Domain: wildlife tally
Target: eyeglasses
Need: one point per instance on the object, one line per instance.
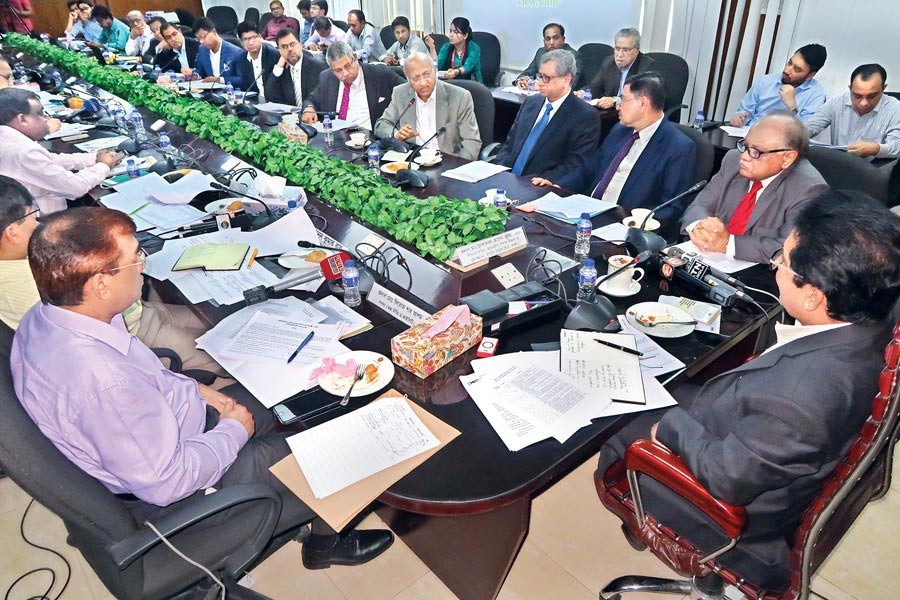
(756, 152)
(293, 44)
(34, 211)
(546, 78)
(427, 76)
(777, 262)
(6, 76)
(620, 100)
(249, 38)
(142, 259)
(619, 50)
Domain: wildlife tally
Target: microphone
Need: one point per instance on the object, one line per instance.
(640, 258)
(171, 62)
(259, 221)
(694, 188)
(330, 268)
(638, 239)
(676, 252)
(392, 143)
(418, 149)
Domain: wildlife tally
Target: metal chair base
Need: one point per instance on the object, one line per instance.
(705, 588)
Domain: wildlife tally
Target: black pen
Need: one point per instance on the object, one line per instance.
(305, 341)
(618, 347)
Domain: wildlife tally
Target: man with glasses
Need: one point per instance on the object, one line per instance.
(645, 159)
(296, 73)
(279, 21)
(139, 37)
(258, 61)
(217, 57)
(768, 434)
(554, 132)
(437, 104)
(747, 209)
(151, 437)
(627, 59)
(554, 39)
(356, 93)
(6, 74)
(181, 54)
(80, 21)
(50, 177)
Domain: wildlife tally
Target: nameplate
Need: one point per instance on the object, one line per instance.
(396, 306)
(502, 243)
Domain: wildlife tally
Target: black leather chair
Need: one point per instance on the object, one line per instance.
(251, 15)
(387, 36)
(233, 39)
(490, 57)
(844, 171)
(342, 24)
(706, 152)
(483, 103)
(224, 17)
(592, 56)
(439, 40)
(674, 71)
(264, 21)
(128, 558)
(894, 95)
(185, 17)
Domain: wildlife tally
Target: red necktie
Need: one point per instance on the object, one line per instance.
(345, 103)
(738, 223)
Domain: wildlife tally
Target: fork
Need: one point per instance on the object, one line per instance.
(360, 371)
(655, 323)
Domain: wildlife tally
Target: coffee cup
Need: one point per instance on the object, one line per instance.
(622, 283)
(358, 138)
(429, 155)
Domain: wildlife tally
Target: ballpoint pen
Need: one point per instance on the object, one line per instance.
(139, 208)
(618, 347)
(305, 341)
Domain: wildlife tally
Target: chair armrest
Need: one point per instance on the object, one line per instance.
(175, 364)
(672, 109)
(660, 463)
(489, 152)
(126, 551)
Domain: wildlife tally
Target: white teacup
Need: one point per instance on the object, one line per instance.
(429, 155)
(621, 284)
(358, 138)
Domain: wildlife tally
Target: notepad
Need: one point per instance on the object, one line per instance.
(212, 257)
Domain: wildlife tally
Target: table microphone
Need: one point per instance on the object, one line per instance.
(638, 239)
(392, 143)
(259, 221)
(418, 148)
(330, 268)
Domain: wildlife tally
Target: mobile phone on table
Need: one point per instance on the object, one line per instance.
(284, 414)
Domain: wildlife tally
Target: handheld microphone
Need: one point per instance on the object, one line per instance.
(330, 268)
(640, 258)
(418, 149)
(259, 221)
(392, 143)
(676, 252)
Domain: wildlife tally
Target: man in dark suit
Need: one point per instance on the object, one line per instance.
(181, 54)
(296, 73)
(356, 93)
(216, 58)
(626, 60)
(554, 132)
(257, 64)
(644, 161)
(767, 434)
(747, 209)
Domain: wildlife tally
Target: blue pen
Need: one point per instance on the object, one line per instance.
(305, 341)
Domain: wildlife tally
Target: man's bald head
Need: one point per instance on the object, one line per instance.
(779, 140)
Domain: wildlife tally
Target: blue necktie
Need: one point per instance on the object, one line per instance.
(531, 140)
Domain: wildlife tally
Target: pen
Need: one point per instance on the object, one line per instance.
(305, 341)
(139, 209)
(250, 265)
(618, 347)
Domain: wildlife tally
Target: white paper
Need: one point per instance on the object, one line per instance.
(201, 85)
(190, 287)
(281, 236)
(101, 143)
(614, 232)
(335, 312)
(276, 107)
(713, 327)
(69, 129)
(655, 360)
(738, 132)
(475, 171)
(396, 306)
(514, 89)
(717, 260)
(227, 287)
(569, 209)
(336, 125)
(613, 372)
(141, 162)
(268, 337)
(159, 264)
(184, 190)
(340, 452)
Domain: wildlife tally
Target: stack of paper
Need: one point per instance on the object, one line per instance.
(569, 209)
(338, 313)
(102, 143)
(738, 132)
(601, 367)
(212, 257)
(135, 198)
(514, 89)
(184, 190)
(475, 171)
(69, 129)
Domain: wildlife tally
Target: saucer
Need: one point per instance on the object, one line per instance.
(421, 161)
(350, 144)
(604, 289)
(652, 224)
(657, 311)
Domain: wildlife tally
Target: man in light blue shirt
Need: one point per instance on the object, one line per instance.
(80, 21)
(863, 118)
(794, 89)
(115, 33)
(362, 37)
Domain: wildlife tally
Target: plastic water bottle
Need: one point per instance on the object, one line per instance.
(350, 279)
(500, 199)
(364, 56)
(57, 78)
(156, 72)
(374, 157)
(587, 95)
(583, 238)
(229, 94)
(165, 144)
(121, 119)
(328, 134)
(137, 123)
(133, 171)
(699, 120)
(587, 279)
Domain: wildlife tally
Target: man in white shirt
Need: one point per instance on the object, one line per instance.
(407, 43)
(140, 35)
(362, 37)
(50, 177)
(216, 59)
(325, 34)
(296, 73)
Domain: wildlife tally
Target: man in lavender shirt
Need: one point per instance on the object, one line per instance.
(152, 437)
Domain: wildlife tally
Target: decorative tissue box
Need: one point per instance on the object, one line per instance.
(429, 345)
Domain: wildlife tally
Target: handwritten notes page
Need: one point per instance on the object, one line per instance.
(599, 367)
(350, 448)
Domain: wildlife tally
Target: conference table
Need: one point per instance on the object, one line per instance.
(465, 512)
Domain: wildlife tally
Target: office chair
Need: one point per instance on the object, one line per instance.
(264, 21)
(251, 15)
(224, 17)
(706, 152)
(342, 24)
(233, 39)
(843, 171)
(674, 71)
(592, 56)
(185, 17)
(387, 36)
(490, 57)
(483, 103)
(129, 559)
(863, 475)
(439, 40)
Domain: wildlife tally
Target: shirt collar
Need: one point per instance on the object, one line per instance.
(358, 82)
(556, 104)
(647, 132)
(113, 334)
(427, 103)
(789, 333)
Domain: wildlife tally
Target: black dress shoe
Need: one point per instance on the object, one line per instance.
(350, 548)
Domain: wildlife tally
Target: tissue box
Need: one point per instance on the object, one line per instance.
(423, 356)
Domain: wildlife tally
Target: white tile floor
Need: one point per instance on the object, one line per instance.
(573, 548)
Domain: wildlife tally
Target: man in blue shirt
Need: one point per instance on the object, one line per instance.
(305, 8)
(80, 21)
(115, 33)
(795, 89)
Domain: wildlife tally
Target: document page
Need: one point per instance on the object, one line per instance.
(599, 367)
(272, 338)
(475, 171)
(350, 448)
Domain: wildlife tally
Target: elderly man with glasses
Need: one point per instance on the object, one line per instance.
(421, 107)
(747, 209)
(51, 178)
(627, 60)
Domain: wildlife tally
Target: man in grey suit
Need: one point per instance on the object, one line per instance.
(769, 433)
(437, 104)
(747, 209)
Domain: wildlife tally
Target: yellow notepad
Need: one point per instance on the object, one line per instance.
(212, 257)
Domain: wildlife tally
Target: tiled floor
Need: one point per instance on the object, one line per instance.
(573, 548)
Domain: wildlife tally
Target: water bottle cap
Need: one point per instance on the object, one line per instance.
(588, 262)
(501, 191)
(130, 161)
(292, 204)
(349, 264)
(586, 216)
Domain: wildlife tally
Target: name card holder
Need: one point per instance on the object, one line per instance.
(478, 254)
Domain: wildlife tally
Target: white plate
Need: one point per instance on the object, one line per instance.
(388, 169)
(338, 385)
(635, 288)
(296, 259)
(219, 206)
(421, 161)
(662, 312)
(350, 144)
(652, 224)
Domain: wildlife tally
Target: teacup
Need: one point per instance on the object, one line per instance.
(358, 138)
(621, 284)
(429, 155)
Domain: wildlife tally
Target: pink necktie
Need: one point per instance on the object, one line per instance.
(345, 103)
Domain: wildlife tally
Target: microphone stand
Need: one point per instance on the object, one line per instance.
(259, 221)
(640, 258)
(418, 148)
(391, 143)
(638, 239)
